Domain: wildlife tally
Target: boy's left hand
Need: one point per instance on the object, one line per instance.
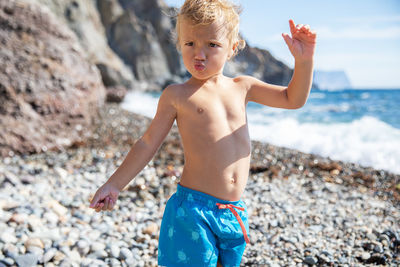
(302, 43)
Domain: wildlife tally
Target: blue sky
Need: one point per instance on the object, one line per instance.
(361, 37)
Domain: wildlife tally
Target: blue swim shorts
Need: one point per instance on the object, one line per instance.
(199, 230)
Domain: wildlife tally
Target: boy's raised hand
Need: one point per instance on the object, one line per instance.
(105, 198)
(302, 43)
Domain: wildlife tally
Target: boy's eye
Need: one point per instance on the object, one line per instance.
(213, 45)
(189, 43)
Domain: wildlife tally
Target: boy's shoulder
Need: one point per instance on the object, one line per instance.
(172, 93)
(244, 81)
(173, 90)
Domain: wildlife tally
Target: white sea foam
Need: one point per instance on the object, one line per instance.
(317, 95)
(141, 103)
(367, 141)
(365, 95)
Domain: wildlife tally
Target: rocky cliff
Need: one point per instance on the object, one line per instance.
(49, 93)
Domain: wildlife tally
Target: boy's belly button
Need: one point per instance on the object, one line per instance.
(233, 180)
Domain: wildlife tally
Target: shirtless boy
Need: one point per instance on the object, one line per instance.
(205, 221)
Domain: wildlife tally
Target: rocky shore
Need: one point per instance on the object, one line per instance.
(304, 209)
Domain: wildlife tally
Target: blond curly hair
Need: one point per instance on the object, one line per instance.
(205, 12)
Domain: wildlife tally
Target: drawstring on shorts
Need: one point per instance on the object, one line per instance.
(231, 208)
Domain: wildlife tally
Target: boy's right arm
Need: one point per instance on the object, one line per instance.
(141, 152)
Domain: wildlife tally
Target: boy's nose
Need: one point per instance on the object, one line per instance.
(199, 54)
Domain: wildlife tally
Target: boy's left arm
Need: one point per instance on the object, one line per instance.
(302, 46)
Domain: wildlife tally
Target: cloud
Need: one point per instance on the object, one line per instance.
(370, 19)
(359, 33)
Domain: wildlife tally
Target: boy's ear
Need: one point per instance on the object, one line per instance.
(232, 51)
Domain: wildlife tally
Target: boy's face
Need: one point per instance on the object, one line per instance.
(205, 48)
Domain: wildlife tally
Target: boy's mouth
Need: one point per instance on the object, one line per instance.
(199, 66)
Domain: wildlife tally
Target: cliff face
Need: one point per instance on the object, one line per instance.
(260, 64)
(49, 93)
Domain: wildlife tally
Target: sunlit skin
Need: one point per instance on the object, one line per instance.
(210, 111)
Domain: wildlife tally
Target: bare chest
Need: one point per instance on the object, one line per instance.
(213, 110)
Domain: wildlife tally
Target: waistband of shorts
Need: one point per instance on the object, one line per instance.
(194, 195)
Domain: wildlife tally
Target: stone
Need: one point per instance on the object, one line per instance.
(7, 238)
(35, 242)
(97, 246)
(27, 260)
(115, 94)
(365, 256)
(19, 218)
(310, 260)
(35, 250)
(58, 256)
(57, 207)
(151, 229)
(7, 261)
(114, 251)
(125, 254)
(10, 250)
(83, 247)
(49, 254)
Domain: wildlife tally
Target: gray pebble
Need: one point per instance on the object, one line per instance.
(365, 256)
(113, 262)
(8, 261)
(49, 254)
(27, 260)
(96, 246)
(99, 254)
(125, 254)
(310, 260)
(83, 247)
(115, 251)
(7, 237)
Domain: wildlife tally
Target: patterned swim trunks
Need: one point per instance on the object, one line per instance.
(198, 230)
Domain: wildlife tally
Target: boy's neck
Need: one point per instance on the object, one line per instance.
(211, 81)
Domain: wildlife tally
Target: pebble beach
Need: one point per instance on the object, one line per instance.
(304, 210)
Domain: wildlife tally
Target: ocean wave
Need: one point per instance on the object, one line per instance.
(367, 141)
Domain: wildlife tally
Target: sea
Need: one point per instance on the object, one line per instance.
(351, 125)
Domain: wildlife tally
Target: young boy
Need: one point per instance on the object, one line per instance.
(205, 221)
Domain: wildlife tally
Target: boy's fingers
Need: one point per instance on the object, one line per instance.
(112, 204)
(304, 29)
(287, 39)
(99, 207)
(96, 199)
(313, 33)
(93, 201)
(107, 203)
(292, 26)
